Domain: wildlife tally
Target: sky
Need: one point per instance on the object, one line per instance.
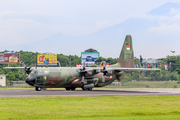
(31, 21)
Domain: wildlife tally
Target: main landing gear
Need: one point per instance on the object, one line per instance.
(37, 88)
(73, 88)
(87, 89)
(70, 88)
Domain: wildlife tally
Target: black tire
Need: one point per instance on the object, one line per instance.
(38, 89)
(68, 89)
(89, 89)
(73, 88)
(85, 89)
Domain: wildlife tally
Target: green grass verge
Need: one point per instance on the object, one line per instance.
(148, 84)
(91, 108)
(18, 88)
(138, 84)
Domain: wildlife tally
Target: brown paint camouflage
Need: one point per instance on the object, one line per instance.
(71, 77)
(54, 81)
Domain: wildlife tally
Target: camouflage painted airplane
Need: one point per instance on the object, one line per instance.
(85, 78)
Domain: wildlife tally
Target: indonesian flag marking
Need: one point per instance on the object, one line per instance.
(107, 64)
(166, 66)
(77, 65)
(128, 47)
(110, 77)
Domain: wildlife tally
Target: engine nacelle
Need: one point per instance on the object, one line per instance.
(77, 83)
(89, 86)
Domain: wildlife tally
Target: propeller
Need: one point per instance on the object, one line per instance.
(118, 75)
(104, 71)
(27, 69)
(83, 72)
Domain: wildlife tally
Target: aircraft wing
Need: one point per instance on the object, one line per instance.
(134, 69)
(13, 67)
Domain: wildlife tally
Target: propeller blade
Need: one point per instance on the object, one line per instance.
(103, 78)
(104, 65)
(104, 71)
(23, 64)
(83, 79)
(32, 65)
(84, 66)
(23, 74)
(118, 77)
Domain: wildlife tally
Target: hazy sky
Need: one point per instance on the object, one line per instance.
(25, 21)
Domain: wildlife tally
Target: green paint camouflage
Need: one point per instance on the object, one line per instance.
(67, 77)
(70, 77)
(126, 58)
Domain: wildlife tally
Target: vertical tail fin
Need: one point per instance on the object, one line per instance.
(126, 58)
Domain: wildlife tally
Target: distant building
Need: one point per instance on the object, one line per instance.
(150, 60)
(2, 80)
(90, 50)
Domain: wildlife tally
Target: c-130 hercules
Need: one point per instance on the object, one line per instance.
(85, 78)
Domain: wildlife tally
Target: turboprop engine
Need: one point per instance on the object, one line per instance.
(77, 83)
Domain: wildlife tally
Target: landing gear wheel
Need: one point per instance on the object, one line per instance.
(89, 89)
(73, 88)
(85, 89)
(68, 89)
(38, 89)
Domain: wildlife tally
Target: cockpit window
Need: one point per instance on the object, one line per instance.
(36, 73)
(31, 74)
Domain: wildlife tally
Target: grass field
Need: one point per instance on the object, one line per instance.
(91, 108)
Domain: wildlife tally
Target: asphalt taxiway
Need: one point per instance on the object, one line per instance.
(96, 92)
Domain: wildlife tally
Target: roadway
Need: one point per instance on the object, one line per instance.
(6, 93)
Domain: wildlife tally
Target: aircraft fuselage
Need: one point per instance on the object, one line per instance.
(66, 77)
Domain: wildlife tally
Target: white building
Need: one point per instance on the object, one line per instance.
(2, 80)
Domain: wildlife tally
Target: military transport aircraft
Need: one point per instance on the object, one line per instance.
(84, 77)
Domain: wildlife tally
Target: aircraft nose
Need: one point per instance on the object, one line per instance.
(30, 80)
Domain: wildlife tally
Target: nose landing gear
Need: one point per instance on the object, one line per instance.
(38, 89)
(70, 88)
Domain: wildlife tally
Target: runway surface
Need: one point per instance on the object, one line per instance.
(97, 92)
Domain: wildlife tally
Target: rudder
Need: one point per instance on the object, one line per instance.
(126, 58)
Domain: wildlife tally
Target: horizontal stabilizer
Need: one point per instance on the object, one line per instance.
(134, 69)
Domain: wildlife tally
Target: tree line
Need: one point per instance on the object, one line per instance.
(29, 58)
